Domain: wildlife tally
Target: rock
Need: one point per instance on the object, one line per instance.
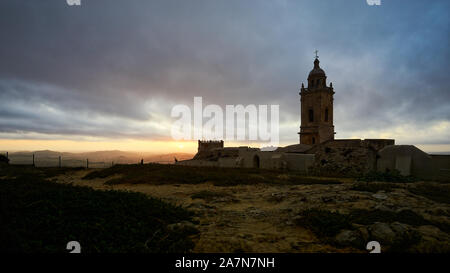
(277, 197)
(244, 236)
(433, 240)
(363, 231)
(349, 238)
(400, 229)
(183, 226)
(200, 206)
(383, 207)
(382, 233)
(196, 220)
(343, 197)
(256, 212)
(297, 219)
(433, 232)
(379, 195)
(327, 199)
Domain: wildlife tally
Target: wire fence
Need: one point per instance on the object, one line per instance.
(59, 161)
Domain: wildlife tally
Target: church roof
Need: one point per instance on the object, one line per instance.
(316, 71)
(295, 148)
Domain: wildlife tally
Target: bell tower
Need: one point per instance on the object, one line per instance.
(316, 108)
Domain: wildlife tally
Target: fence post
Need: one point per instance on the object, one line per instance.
(60, 161)
(33, 161)
(7, 157)
(87, 163)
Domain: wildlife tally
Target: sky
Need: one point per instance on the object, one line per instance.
(105, 75)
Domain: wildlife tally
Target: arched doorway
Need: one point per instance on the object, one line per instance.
(256, 161)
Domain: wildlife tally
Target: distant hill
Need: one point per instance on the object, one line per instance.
(440, 153)
(96, 159)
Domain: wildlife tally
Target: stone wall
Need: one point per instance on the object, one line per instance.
(346, 157)
(299, 162)
(410, 160)
(343, 157)
(228, 162)
(441, 165)
(198, 163)
(254, 158)
(216, 153)
(206, 145)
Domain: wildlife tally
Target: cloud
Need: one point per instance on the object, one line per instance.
(115, 68)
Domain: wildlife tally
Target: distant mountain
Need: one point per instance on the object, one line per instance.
(96, 159)
(440, 153)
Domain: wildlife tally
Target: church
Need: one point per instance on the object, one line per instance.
(318, 152)
(316, 108)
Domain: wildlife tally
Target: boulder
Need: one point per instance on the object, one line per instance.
(184, 227)
(380, 196)
(382, 233)
(400, 229)
(349, 238)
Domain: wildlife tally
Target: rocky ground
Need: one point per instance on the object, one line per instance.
(304, 218)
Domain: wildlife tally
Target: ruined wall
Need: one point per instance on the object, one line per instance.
(346, 157)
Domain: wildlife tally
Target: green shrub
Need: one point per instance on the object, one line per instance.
(368, 217)
(38, 216)
(373, 187)
(209, 195)
(176, 174)
(4, 159)
(440, 194)
(404, 242)
(390, 176)
(324, 223)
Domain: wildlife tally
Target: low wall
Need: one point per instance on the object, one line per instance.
(228, 162)
(441, 165)
(410, 160)
(249, 158)
(299, 162)
(200, 163)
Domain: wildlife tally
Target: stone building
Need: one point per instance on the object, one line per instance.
(316, 108)
(206, 148)
(318, 152)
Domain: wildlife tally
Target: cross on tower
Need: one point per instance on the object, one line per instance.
(317, 56)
